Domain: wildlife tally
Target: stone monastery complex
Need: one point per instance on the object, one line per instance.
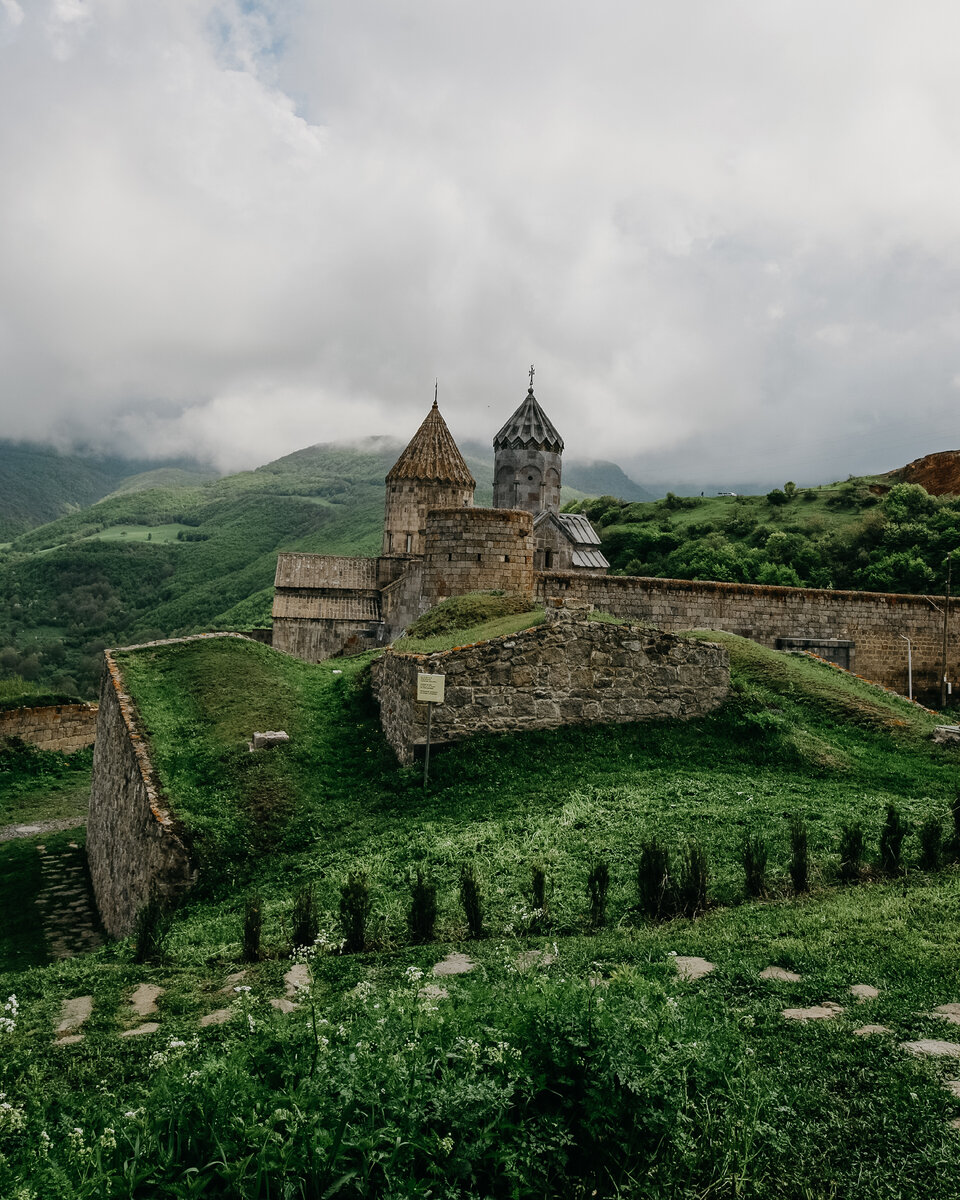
(436, 543)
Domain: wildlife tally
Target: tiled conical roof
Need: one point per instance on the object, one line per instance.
(529, 427)
(432, 455)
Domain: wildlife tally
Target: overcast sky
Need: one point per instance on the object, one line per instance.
(727, 234)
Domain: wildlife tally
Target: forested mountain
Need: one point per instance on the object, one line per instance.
(39, 484)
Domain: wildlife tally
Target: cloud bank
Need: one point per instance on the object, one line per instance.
(727, 235)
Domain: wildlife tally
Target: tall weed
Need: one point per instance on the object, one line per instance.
(598, 884)
(654, 882)
(892, 836)
(799, 857)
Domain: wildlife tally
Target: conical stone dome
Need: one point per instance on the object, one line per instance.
(529, 428)
(432, 456)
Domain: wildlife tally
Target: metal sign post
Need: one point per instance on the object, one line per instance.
(429, 692)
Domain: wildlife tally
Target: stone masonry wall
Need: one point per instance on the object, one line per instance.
(475, 550)
(566, 672)
(873, 621)
(135, 846)
(64, 727)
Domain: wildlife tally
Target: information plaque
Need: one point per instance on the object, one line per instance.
(430, 688)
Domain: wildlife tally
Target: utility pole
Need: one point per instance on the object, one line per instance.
(909, 665)
(946, 610)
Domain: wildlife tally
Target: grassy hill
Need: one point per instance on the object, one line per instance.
(573, 1060)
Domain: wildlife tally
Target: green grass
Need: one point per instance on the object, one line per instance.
(602, 1073)
(497, 627)
(41, 785)
(142, 533)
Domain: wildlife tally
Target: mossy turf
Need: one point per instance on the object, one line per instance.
(603, 1073)
(795, 738)
(42, 785)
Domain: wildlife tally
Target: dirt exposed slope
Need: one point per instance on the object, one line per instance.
(939, 473)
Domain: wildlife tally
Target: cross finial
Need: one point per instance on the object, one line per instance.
(436, 385)
(532, 373)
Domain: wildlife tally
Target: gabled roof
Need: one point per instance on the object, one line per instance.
(432, 455)
(577, 529)
(530, 428)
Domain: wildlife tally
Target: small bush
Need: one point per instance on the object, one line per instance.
(153, 925)
(355, 906)
(538, 897)
(654, 884)
(799, 857)
(598, 884)
(753, 855)
(955, 814)
(252, 927)
(422, 917)
(892, 836)
(931, 845)
(471, 900)
(852, 844)
(306, 925)
(692, 881)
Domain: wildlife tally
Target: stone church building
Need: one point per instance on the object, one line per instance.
(437, 543)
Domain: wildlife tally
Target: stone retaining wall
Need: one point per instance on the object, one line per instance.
(136, 848)
(565, 672)
(872, 621)
(64, 727)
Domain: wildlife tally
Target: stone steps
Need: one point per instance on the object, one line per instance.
(66, 907)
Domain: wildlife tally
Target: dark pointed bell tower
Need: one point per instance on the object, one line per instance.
(527, 452)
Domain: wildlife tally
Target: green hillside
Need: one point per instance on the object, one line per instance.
(860, 534)
(39, 484)
(169, 560)
(572, 1060)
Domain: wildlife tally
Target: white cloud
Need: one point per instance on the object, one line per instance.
(729, 236)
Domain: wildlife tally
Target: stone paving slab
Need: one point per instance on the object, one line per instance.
(456, 963)
(781, 974)
(73, 1013)
(144, 999)
(932, 1047)
(868, 1030)
(863, 992)
(816, 1012)
(690, 967)
(218, 1017)
(297, 979)
(139, 1030)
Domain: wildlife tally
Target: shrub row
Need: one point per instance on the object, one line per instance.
(667, 885)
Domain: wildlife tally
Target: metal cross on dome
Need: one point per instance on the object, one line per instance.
(531, 376)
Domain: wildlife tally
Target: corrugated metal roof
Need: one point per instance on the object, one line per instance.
(590, 558)
(347, 606)
(578, 529)
(324, 571)
(432, 455)
(530, 427)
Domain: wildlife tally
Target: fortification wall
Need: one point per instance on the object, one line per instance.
(566, 672)
(475, 550)
(873, 621)
(64, 727)
(135, 847)
(315, 640)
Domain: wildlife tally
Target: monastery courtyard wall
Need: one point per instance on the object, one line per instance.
(875, 622)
